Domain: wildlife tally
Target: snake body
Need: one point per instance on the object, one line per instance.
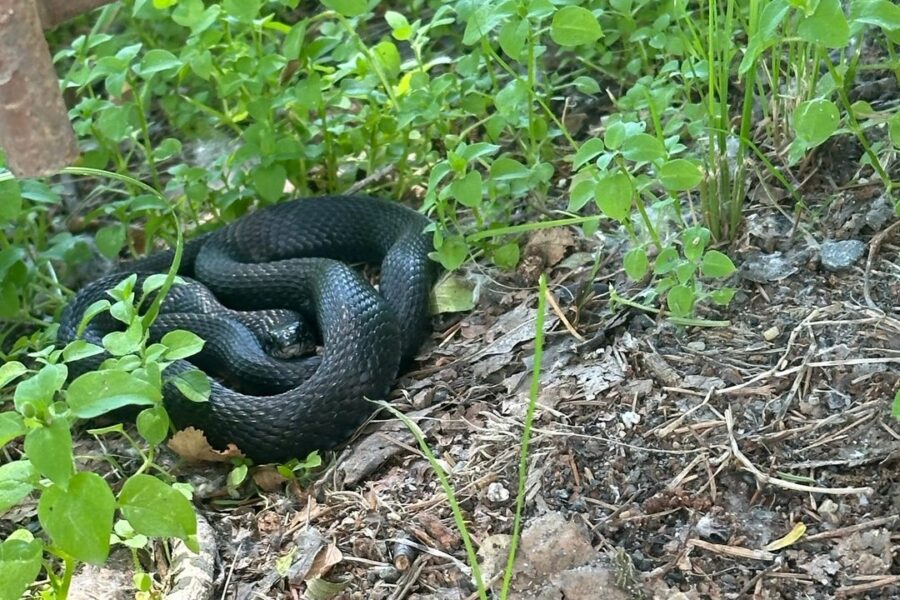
(291, 256)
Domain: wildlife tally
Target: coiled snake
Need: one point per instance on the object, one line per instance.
(291, 256)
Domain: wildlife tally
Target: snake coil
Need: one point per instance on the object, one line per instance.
(291, 256)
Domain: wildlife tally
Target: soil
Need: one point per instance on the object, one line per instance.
(756, 458)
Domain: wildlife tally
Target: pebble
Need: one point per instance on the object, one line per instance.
(496, 493)
(840, 256)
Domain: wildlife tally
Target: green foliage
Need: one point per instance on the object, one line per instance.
(77, 508)
(221, 105)
(895, 408)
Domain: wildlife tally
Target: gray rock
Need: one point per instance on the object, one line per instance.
(766, 268)
(839, 256)
(879, 213)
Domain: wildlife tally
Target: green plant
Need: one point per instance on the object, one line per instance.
(895, 408)
(76, 508)
(458, 517)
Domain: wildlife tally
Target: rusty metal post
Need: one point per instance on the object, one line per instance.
(35, 132)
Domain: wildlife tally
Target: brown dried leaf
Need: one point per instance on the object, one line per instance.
(550, 245)
(268, 479)
(445, 537)
(191, 444)
(325, 559)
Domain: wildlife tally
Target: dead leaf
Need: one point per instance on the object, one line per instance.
(793, 536)
(550, 245)
(445, 537)
(191, 444)
(268, 479)
(327, 557)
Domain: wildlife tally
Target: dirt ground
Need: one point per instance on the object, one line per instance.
(753, 460)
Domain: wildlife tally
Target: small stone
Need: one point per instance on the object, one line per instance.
(771, 333)
(839, 256)
(497, 493)
(766, 268)
(697, 346)
(879, 213)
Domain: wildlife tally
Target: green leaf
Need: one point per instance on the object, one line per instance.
(680, 300)
(269, 181)
(895, 408)
(80, 349)
(39, 191)
(766, 34)
(188, 12)
(894, 129)
(574, 26)
(11, 427)
(166, 149)
(154, 282)
(614, 195)
(508, 169)
(153, 424)
(880, 13)
(679, 175)
(643, 147)
(80, 519)
(98, 392)
(113, 122)
(666, 261)
(452, 253)
(827, 26)
(10, 371)
(695, 240)
(684, 272)
(245, 10)
(615, 136)
(400, 28)
(181, 344)
(588, 151)
(110, 239)
(120, 343)
(388, 58)
(477, 150)
(348, 8)
(636, 263)
(506, 256)
(816, 120)
(194, 384)
(39, 390)
(92, 311)
(293, 41)
(9, 300)
(156, 509)
(586, 85)
(722, 297)
(512, 37)
(716, 264)
(237, 476)
(468, 190)
(482, 21)
(158, 61)
(17, 479)
(49, 448)
(453, 294)
(580, 194)
(20, 563)
(10, 202)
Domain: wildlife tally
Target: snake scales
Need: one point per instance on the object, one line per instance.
(291, 256)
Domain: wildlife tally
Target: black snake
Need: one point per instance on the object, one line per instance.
(291, 256)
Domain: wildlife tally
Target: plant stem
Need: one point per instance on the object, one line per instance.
(526, 432)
